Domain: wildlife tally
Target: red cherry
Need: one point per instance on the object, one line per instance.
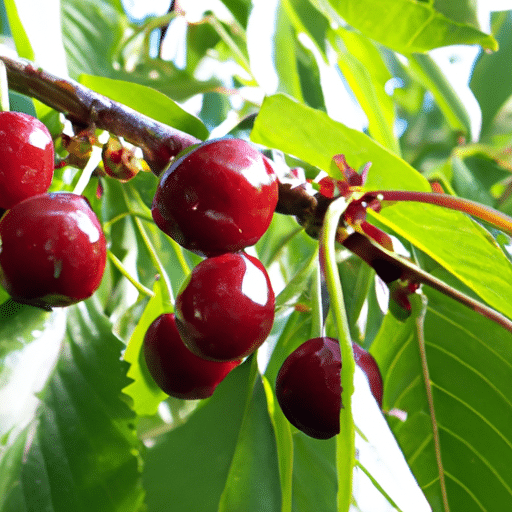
(219, 197)
(26, 158)
(225, 310)
(308, 386)
(174, 368)
(52, 250)
(367, 363)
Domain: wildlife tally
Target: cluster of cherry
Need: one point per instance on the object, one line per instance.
(216, 200)
(52, 248)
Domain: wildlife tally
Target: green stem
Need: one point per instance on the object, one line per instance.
(317, 313)
(147, 28)
(217, 25)
(345, 442)
(4, 89)
(378, 486)
(124, 271)
(121, 216)
(485, 213)
(169, 296)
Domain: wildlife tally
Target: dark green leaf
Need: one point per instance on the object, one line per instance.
(83, 452)
(188, 466)
(240, 10)
(490, 81)
(462, 11)
(367, 75)
(254, 466)
(92, 31)
(469, 361)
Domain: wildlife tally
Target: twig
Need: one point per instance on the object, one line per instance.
(84, 107)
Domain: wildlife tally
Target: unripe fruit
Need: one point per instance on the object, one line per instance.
(225, 310)
(308, 385)
(52, 250)
(219, 197)
(26, 158)
(175, 369)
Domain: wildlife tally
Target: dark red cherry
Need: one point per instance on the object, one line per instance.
(308, 386)
(52, 250)
(225, 310)
(219, 197)
(367, 363)
(174, 368)
(26, 158)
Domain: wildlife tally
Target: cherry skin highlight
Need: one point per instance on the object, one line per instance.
(308, 386)
(219, 197)
(225, 310)
(176, 370)
(52, 250)
(26, 158)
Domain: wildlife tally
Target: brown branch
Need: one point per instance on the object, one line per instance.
(82, 106)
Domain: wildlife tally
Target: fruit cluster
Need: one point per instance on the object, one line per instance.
(215, 200)
(308, 385)
(52, 248)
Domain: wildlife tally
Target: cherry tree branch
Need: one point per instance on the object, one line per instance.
(82, 106)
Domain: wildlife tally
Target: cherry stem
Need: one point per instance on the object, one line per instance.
(86, 108)
(345, 441)
(373, 254)
(124, 271)
(420, 312)
(485, 213)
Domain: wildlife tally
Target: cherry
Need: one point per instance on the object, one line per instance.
(26, 158)
(367, 363)
(217, 198)
(308, 386)
(225, 309)
(52, 250)
(175, 369)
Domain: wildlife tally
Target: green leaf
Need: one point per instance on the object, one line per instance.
(84, 434)
(147, 101)
(240, 9)
(284, 45)
(469, 361)
(424, 28)
(314, 474)
(30, 340)
(366, 74)
(432, 78)
(23, 46)
(309, 20)
(92, 30)
(145, 393)
(254, 466)
(188, 466)
(462, 11)
(490, 81)
(313, 136)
